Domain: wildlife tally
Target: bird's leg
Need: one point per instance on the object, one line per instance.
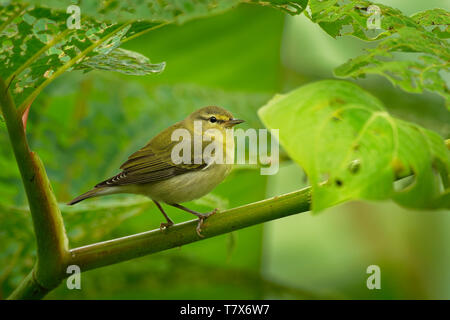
(201, 216)
(169, 222)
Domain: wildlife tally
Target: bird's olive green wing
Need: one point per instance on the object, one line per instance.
(150, 164)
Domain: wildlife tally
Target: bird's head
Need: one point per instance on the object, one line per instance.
(213, 117)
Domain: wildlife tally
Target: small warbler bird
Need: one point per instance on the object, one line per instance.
(152, 172)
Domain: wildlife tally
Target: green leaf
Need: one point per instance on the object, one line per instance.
(351, 148)
(123, 61)
(423, 32)
(339, 18)
(437, 19)
(416, 74)
(291, 7)
(36, 47)
(165, 11)
(178, 11)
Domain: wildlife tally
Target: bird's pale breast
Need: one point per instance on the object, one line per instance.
(188, 186)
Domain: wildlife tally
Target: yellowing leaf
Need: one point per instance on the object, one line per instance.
(351, 148)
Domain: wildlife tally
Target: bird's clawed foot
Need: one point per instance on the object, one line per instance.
(165, 225)
(201, 218)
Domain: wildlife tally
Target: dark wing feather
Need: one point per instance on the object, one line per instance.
(150, 165)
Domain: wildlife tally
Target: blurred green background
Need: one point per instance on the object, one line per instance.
(84, 126)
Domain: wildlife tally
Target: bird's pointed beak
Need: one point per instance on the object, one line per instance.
(233, 122)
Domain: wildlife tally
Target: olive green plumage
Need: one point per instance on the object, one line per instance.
(150, 171)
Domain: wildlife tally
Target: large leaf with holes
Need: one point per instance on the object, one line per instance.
(36, 45)
(422, 39)
(436, 20)
(340, 18)
(351, 148)
(416, 73)
(123, 61)
(178, 11)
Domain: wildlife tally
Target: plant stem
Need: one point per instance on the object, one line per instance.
(126, 248)
(29, 289)
(52, 244)
(122, 249)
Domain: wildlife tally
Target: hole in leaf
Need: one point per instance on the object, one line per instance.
(339, 182)
(324, 177)
(404, 184)
(354, 166)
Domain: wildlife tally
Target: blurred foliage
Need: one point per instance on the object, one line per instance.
(175, 276)
(355, 150)
(84, 126)
(85, 224)
(330, 252)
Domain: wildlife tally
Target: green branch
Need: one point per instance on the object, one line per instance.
(29, 288)
(130, 247)
(126, 248)
(52, 244)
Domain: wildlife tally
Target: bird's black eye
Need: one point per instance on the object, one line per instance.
(212, 119)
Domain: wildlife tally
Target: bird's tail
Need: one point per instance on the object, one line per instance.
(90, 194)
